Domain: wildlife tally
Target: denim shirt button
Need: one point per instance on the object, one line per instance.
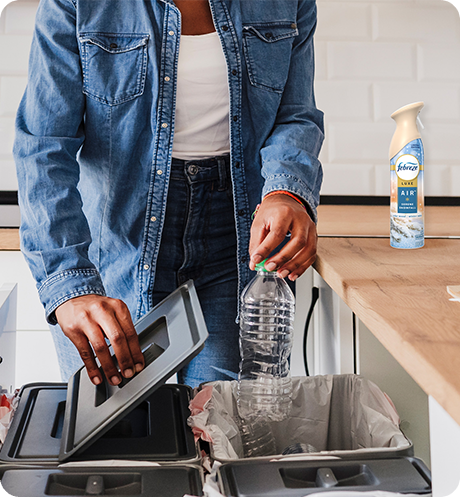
(241, 212)
(167, 78)
(237, 164)
(224, 27)
(171, 33)
(153, 219)
(159, 172)
(235, 118)
(146, 267)
(234, 72)
(244, 259)
(164, 125)
(113, 45)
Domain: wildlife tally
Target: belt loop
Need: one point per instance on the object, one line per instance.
(221, 167)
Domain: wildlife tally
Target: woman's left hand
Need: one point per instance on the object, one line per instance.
(277, 216)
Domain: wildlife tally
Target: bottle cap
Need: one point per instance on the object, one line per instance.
(261, 266)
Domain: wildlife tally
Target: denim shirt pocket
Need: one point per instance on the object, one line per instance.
(114, 66)
(267, 50)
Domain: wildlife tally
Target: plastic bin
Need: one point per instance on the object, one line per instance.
(141, 420)
(353, 425)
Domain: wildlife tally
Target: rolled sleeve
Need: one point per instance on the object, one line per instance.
(290, 154)
(55, 290)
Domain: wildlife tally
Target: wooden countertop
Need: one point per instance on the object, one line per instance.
(9, 239)
(401, 296)
(374, 220)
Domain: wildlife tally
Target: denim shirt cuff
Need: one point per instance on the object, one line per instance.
(67, 285)
(296, 187)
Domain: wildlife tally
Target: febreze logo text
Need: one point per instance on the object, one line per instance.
(407, 167)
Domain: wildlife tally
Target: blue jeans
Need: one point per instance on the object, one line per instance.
(199, 243)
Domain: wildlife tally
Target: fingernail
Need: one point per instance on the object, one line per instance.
(271, 266)
(139, 367)
(256, 258)
(128, 373)
(115, 380)
(293, 277)
(284, 273)
(96, 380)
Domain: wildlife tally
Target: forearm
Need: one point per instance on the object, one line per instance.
(49, 133)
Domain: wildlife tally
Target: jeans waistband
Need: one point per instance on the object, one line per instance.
(203, 170)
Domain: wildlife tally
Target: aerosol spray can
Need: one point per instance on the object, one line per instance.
(407, 211)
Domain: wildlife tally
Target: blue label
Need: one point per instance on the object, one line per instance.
(407, 200)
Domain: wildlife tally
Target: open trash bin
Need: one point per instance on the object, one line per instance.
(142, 420)
(350, 422)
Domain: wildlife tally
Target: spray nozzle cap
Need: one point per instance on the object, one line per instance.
(419, 122)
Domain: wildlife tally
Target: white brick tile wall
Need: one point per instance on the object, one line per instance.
(374, 61)
(455, 175)
(8, 180)
(382, 179)
(14, 54)
(6, 136)
(345, 100)
(442, 100)
(348, 179)
(431, 22)
(11, 91)
(344, 21)
(412, 55)
(20, 17)
(372, 57)
(439, 62)
(359, 143)
(320, 60)
(2, 22)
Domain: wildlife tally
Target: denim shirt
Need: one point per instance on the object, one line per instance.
(94, 134)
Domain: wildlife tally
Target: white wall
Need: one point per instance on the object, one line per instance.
(372, 57)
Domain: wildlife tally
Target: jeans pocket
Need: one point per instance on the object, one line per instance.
(267, 50)
(114, 66)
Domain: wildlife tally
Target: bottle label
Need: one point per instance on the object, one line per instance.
(407, 169)
(407, 203)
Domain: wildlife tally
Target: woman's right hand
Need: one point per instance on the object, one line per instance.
(87, 321)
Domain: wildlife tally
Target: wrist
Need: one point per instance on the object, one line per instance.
(288, 194)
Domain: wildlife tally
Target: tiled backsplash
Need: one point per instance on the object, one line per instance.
(372, 57)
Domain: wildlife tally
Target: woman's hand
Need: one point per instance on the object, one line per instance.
(277, 216)
(87, 321)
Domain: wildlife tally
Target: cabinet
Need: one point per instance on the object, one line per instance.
(340, 343)
(27, 348)
(8, 305)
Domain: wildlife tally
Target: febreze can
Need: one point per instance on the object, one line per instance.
(407, 211)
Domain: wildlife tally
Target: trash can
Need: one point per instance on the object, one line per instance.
(350, 422)
(142, 420)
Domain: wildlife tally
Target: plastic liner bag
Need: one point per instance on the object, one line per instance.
(8, 405)
(337, 414)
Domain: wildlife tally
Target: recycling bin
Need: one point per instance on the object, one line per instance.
(347, 422)
(62, 435)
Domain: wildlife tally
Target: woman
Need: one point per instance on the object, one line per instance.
(148, 133)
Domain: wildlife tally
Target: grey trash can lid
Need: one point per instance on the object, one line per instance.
(170, 336)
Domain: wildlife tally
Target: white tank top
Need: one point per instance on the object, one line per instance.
(202, 99)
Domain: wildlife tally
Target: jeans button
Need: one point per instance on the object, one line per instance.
(192, 169)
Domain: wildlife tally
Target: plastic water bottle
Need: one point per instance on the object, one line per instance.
(266, 326)
(257, 437)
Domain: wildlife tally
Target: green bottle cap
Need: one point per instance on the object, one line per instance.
(261, 267)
